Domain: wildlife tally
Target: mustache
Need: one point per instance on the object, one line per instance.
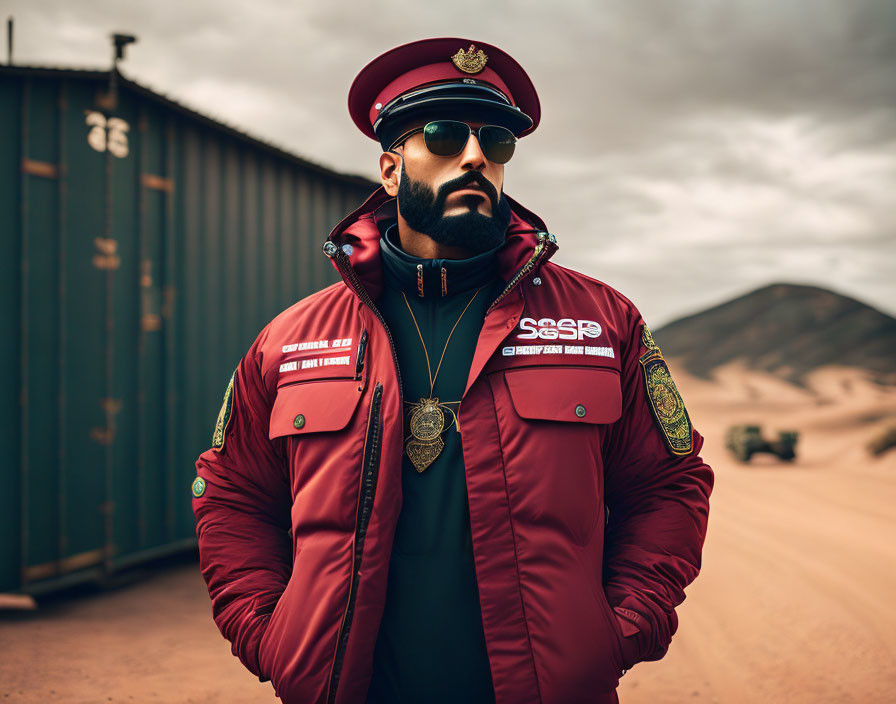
(467, 179)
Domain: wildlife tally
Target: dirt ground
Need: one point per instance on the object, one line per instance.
(791, 604)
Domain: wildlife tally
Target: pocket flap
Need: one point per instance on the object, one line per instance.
(313, 407)
(577, 394)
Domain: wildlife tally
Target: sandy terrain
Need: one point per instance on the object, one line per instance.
(791, 604)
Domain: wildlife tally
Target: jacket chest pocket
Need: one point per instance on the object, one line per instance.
(322, 429)
(308, 407)
(550, 420)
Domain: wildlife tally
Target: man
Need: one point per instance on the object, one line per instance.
(463, 473)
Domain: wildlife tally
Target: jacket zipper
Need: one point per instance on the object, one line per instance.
(547, 245)
(343, 264)
(369, 475)
(362, 348)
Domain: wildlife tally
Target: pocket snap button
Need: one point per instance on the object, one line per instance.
(580, 411)
(299, 421)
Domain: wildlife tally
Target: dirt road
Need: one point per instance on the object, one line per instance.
(151, 641)
(792, 604)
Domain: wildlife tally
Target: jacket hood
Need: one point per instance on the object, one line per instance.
(361, 230)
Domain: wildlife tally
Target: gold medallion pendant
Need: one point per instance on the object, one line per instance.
(426, 417)
(427, 422)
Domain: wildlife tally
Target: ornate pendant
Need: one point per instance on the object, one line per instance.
(423, 454)
(427, 421)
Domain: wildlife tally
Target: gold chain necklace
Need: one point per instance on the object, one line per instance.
(426, 417)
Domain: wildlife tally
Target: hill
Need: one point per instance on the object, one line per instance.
(786, 329)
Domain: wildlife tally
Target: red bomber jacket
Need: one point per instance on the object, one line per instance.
(588, 499)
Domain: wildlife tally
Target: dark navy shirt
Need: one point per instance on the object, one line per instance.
(431, 645)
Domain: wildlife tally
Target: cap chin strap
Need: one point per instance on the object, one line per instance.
(468, 87)
(459, 100)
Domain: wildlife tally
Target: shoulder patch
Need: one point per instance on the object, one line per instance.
(647, 339)
(224, 416)
(665, 400)
(198, 487)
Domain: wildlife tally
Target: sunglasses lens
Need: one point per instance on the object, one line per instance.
(446, 137)
(497, 143)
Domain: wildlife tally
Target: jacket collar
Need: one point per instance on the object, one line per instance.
(360, 230)
(433, 278)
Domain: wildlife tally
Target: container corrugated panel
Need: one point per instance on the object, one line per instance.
(144, 247)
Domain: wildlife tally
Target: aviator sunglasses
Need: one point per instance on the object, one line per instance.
(449, 137)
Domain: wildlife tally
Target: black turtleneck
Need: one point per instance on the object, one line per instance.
(404, 271)
(431, 645)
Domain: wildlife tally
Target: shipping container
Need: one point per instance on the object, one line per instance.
(144, 247)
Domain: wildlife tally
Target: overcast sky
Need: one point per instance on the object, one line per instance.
(689, 150)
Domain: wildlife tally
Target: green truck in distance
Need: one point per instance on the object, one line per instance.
(744, 441)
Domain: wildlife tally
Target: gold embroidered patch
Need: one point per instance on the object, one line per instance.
(665, 400)
(224, 416)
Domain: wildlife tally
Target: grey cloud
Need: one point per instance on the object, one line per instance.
(665, 161)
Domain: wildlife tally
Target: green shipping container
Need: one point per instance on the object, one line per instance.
(144, 247)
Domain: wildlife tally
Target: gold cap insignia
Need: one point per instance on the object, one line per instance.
(470, 61)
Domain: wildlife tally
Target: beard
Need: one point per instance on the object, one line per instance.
(471, 231)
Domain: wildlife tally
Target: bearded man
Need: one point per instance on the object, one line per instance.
(463, 473)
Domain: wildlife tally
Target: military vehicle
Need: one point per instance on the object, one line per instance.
(744, 441)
